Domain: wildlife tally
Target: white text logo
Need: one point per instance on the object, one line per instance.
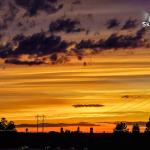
(146, 23)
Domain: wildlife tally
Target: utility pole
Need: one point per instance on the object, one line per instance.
(37, 117)
(42, 118)
(43, 121)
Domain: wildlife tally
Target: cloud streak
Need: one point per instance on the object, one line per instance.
(87, 105)
(58, 124)
(23, 62)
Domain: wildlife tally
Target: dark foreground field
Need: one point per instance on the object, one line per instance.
(56, 141)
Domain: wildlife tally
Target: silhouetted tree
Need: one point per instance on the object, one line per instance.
(148, 126)
(11, 126)
(1, 126)
(5, 126)
(121, 127)
(136, 129)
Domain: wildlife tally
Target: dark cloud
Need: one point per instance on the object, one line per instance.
(42, 44)
(23, 62)
(13, 10)
(115, 41)
(130, 24)
(39, 44)
(58, 124)
(59, 58)
(86, 44)
(8, 14)
(124, 41)
(140, 34)
(33, 6)
(19, 24)
(49, 44)
(54, 58)
(87, 105)
(5, 50)
(134, 97)
(3, 26)
(131, 96)
(66, 25)
(76, 2)
(0, 3)
(112, 23)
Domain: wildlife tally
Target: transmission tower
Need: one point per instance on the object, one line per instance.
(40, 119)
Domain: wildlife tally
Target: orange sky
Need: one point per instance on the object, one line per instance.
(119, 81)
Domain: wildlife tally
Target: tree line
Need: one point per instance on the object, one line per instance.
(121, 127)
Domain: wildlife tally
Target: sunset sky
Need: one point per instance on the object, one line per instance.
(46, 69)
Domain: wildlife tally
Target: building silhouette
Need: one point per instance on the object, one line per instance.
(61, 130)
(91, 131)
(78, 130)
